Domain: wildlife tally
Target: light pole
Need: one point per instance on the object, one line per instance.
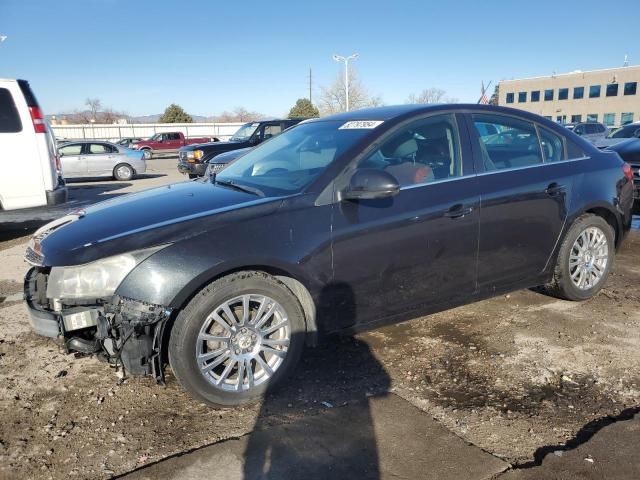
(340, 58)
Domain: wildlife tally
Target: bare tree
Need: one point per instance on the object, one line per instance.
(239, 114)
(94, 105)
(333, 98)
(431, 95)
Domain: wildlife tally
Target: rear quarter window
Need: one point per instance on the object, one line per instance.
(9, 117)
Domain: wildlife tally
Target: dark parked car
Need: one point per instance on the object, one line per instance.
(337, 225)
(193, 159)
(629, 150)
(125, 142)
(221, 160)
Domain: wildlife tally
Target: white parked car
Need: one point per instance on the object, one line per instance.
(96, 158)
(30, 173)
(591, 131)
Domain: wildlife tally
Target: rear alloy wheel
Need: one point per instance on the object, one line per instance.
(147, 154)
(585, 259)
(237, 339)
(123, 172)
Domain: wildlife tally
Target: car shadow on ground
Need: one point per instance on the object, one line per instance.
(341, 371)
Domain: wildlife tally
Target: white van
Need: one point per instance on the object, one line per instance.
(30, 172)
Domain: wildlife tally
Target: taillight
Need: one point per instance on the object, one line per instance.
(626, 169)
(38, 120)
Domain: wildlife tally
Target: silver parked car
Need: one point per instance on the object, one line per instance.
(591, 131)
(94, 158)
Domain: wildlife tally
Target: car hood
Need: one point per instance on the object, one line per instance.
(195, 146)
(140, 220)
(607, 142)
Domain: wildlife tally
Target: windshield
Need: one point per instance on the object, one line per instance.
(289, 162)
(245, 131)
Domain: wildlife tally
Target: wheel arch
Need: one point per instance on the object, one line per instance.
(286, 276)
(610, 216)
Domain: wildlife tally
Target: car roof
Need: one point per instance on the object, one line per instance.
(67, 142)
(393, 112)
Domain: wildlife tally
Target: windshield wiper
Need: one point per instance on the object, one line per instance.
(237, 186)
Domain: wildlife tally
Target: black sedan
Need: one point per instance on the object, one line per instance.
(629, 150)
(337, 225)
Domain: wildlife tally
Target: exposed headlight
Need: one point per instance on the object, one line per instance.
(96, 279)
(194, 155)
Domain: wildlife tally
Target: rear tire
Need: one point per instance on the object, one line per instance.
(585, 259)
(123, 172)
(215, 357)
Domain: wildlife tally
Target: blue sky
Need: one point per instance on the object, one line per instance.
(209, 56)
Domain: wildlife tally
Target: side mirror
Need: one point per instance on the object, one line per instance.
(369, 184)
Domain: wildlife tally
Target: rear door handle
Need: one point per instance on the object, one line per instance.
(458, 210)
(554, 189)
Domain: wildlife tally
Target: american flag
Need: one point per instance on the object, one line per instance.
(483, 98)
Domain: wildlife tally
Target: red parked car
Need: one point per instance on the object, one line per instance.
(168, 142)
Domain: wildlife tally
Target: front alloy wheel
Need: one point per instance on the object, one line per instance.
(243, 342)
(237, 339)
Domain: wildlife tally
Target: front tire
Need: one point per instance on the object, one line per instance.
(147, 153)
(584, 260)
(237, 339)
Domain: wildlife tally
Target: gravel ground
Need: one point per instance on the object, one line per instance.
(515, 375)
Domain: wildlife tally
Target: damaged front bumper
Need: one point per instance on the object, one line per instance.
(127, 332)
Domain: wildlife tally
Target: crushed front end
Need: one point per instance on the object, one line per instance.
(125, 332)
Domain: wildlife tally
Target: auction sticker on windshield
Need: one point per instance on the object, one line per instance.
(360, 124)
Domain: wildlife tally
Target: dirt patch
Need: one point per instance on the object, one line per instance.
(511, 375)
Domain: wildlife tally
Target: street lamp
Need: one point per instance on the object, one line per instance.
(340, 58)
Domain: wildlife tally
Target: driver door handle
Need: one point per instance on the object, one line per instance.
(554, 189)
(457, 211)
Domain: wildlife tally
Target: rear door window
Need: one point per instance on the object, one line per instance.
(99, 148)
(552, 146)
(9, 116)
(514, 145)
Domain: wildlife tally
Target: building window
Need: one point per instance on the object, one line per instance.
(522, 97)
(548, 117)
(578, 92)
(535, 96)
(626, 118)
(609, 119)
(563, 93)
(576, 118)
(592, 117)
(612, 90)
(630, 88)
(561, 119)
(594, 91)
(509, 97)
(548, 95)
